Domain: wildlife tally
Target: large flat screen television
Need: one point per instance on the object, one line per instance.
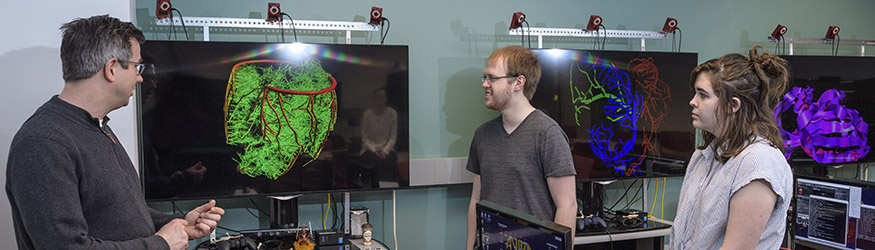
(626, 113)
(834, 214)
(220, 119)
(500, 227)
(826, 113)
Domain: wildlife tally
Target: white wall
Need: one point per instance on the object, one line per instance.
(30, 73)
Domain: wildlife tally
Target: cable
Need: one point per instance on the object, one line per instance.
(294, 30)
(335, 225)
(282, 30)
(383, 244)
(605, 37)
(783, 46)
(325, 219)
(680, 38)
(662, 201)
(624, 195)
(655, 192)
(529, 28)
(259, 208)
(333, 214)
(172, 30)
(611, 238)
(250, 212)
(596, 41)
(382, 28)
(673, 45)
(832, 50)
(182, 20)
(343, 208)
(634, 197)
(394, 219)
(388, 26)
(199, 245)
(271, 244)
(777, 42)
(523, 34)
(837, 43)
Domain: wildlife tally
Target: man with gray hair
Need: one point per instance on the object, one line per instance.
(70, 182)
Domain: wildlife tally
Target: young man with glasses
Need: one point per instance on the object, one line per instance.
(520, 159)
(69, 181)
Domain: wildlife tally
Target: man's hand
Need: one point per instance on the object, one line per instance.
(202, 220)
(197, 172)
(174, 234)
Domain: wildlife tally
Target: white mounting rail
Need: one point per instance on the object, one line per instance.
(207, 22)
(568, 32)
(812, 40)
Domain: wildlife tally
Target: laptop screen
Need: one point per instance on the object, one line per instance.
(500, 227)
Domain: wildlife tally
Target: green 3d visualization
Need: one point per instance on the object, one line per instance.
(276, 111)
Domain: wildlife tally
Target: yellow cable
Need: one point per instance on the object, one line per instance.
(655, 192)
(662, 202)
(324, 224)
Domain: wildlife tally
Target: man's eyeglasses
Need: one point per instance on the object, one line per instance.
(140, 67)
(492, 79)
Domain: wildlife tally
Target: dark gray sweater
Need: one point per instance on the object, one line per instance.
(72, 186)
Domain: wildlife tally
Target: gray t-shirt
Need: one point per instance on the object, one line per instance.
(703, 206)
(514, 167)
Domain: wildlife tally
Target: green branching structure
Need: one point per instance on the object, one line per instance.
(595, 91)
(276, 111)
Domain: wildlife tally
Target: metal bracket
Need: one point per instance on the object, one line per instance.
(812, 40)
(222, 22)
(568, 32)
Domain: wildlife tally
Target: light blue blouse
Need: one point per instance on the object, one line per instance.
(703, 207)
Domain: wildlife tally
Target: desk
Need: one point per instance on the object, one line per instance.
(655, 236)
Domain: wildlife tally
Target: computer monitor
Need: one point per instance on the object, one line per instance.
(626, 113)
(223, 119)
(836, 214)
(500, 227)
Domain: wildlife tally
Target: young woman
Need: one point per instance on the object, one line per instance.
(738, 185)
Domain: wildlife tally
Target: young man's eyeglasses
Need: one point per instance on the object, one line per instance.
(492, 79)
(140, 67)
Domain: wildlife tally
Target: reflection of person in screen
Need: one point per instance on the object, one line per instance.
(70, 183)
(520, 159)
(738, 185)
(163, 180)
(379, 132)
